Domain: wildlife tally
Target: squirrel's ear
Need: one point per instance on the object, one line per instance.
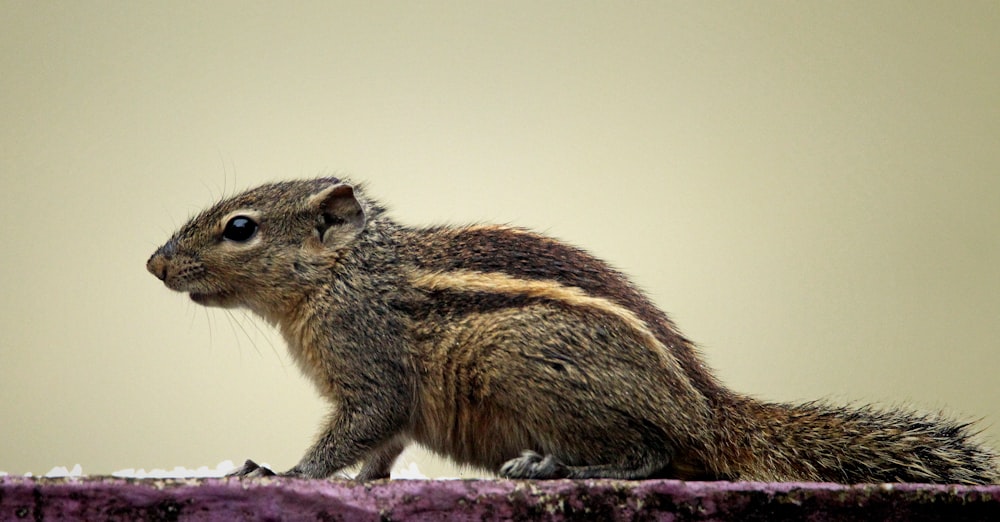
(339, 214)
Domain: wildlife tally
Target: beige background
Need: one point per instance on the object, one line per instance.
(811, 189)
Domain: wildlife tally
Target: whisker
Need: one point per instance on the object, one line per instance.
(236, 335)
(211, 336)
(233, 319)
(191, 314)
(225, 175)
(267, 337)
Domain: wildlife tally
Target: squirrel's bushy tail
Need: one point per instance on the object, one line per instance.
(851, 445)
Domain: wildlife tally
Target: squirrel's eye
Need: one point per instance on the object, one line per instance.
(240, 228)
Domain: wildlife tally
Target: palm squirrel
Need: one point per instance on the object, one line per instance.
(503, 349)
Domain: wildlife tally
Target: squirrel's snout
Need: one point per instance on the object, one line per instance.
(158, 262)
(157, 265)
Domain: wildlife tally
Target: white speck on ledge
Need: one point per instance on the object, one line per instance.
(221, 470)
(60, 471)
(405, 469)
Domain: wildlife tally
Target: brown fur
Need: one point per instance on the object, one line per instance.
(507, 350)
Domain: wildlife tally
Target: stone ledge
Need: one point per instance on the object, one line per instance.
(105, 498)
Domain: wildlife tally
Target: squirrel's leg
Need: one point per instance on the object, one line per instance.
(380, 461)
(531, 465)
(330, 454)
(351, 434)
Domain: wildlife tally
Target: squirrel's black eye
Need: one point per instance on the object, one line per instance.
(240, 228)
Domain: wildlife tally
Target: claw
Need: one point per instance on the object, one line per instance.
(251, 469)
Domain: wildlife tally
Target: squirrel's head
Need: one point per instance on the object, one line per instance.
(262, 248)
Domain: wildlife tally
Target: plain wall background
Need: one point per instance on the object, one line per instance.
(810, 189)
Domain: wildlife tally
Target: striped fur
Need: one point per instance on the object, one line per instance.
(500, 283)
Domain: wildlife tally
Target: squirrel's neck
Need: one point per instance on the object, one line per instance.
(340, 303)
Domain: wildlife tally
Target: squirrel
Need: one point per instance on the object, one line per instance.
(506, 350)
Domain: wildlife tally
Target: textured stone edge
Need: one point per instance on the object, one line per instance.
(106, 498)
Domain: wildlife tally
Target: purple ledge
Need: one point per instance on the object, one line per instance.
(105, 498)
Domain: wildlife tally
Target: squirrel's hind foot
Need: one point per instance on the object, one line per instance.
(531, 465)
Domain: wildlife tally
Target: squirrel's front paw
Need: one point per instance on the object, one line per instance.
(531, 465)
(251, 469)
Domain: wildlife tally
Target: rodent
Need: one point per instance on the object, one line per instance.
(507, 350)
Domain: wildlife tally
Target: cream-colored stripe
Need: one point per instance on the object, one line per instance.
(495, 282)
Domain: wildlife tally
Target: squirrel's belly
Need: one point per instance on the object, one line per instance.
(473, 413)
(457, 414)
(481, 437)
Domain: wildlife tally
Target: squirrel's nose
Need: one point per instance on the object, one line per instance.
(157, 265)
(158, 262)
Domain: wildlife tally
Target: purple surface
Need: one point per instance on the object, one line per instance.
(101, 498)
